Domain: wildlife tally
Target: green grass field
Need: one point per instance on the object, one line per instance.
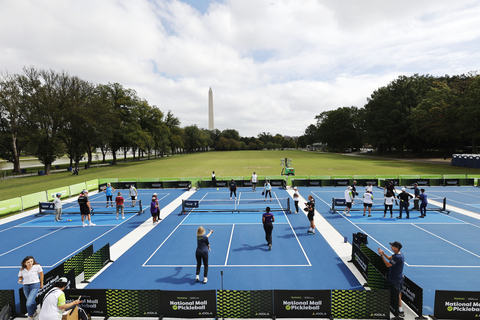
(234, 163)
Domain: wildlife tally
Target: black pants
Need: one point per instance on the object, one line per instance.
(109, 198)
(201, 257)
(233, 192)
(388, 206)
(268, 227)
(268, 192)
(404, 205)
(296, 206)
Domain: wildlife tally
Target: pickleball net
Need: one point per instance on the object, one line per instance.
(235, 205)
(104, 208)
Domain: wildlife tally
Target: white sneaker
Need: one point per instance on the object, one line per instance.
(347, 215)
(197, 278)
(123, 218)
(205, 280)
(92, 224)
(117, 218)
(84, 224)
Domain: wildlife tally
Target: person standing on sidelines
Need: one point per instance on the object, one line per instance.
(267, 219)
(85, 208)
(404, 199)
(389, 201)
(254, 181)
(154, 210)
(391, 187)
(54, 302)
(348, 201)
(109, 190)
(58, 207)
(233, 189)
(133, 193)
(395, 264)
(158, 204)
(120, 202)
(310, 209)
(416, 194)
(201, 254)
(31, 277)
(367, 203)
(267, 189)
(296, 198)
(213, 176)
(423, 205)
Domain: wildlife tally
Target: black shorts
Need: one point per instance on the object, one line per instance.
(84, 213)
(154, 214)
(369, 205)
(349, 204)
(133, 197)
(310, 215)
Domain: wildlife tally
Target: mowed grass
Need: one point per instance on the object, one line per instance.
(234, 163)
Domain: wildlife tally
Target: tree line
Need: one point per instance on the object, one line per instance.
(50, 114)
(417, 113)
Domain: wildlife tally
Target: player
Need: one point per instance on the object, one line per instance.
(354, 191)
(267, 189)
(109, 190)
(423, 205)
(389, 199)
(296, 198)
(254, 181)
(367, 203)
(310, 209)
(132, 192)
(233, 189)
(85, 208)
(369, 187)
(120, 202)
(58, 207)
(203, 246)
(348, 200)
(158, 204)
(154, 209)
(267, 219)
(404, 202)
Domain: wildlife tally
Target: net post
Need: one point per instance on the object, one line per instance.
(140, 206)
(288, 205)
(333, 204)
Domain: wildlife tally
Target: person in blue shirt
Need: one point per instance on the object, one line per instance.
(267, 220)
(395, 264)
(109, 190)
(423, 205)
(203, 247)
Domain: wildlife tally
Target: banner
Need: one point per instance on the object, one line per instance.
(150, 185)
(51, 193)
(360, 260)
(341, 182)
(359, 304)
(244, 304)
(94, 300)
(193, 304)
(452, 182)
(412, 295)
(457, 304)
(302, 303)
(134, 303)
(314, 183)
(10, 205)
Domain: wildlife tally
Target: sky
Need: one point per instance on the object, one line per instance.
(273, 65)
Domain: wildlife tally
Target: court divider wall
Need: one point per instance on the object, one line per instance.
(7, 297)
(339, 304)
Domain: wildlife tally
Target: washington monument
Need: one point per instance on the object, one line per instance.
(211, 126)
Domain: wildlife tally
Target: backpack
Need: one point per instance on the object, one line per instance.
(7, 312)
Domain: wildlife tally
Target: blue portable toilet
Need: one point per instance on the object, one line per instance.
(471, 161)
(454, 161)
(477, 162)
(465, 160)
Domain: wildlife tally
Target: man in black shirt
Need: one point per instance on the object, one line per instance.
(404, 198)
(85, 207)
(233, 189)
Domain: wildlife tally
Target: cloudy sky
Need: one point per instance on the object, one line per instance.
(273, 65)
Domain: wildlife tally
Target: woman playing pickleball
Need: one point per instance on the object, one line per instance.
(267, 220)
(203, 246)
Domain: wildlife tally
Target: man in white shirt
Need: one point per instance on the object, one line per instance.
(348, 200)
(132, 192)
(254, 181)
(58, 207)
(367, 203)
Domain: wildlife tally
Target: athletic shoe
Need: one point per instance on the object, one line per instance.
(348, 215)
(117, 218)
(364, 214)
(92, 224)
(369, 215)
(123, 218)
(205, 280)
(399, 217)
(310, 232)
(401, 314)
(84, 224)
(106, 206)
(197, 278)
(269, 247)
(60, 219)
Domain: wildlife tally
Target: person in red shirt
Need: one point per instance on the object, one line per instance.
(120, 202)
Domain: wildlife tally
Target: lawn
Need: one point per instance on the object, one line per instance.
(234, 163)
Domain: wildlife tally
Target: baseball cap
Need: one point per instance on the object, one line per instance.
(59, 194)
(415, 184)
(295, 188)
(349, 188)
(396, 244)
(403, 189)
(62, 279)
(154, 194)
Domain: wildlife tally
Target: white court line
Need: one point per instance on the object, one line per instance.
(23, 245)
(449, 242)
(231, 265)
(229, 244)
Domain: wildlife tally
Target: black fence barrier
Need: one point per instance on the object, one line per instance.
(386, 182)
(366, 182)
(96, 262)
(118, 185)
(150, 185)
(460, 305)
(77, 262)
(412, 295)
(302, 304)
(8, 297)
